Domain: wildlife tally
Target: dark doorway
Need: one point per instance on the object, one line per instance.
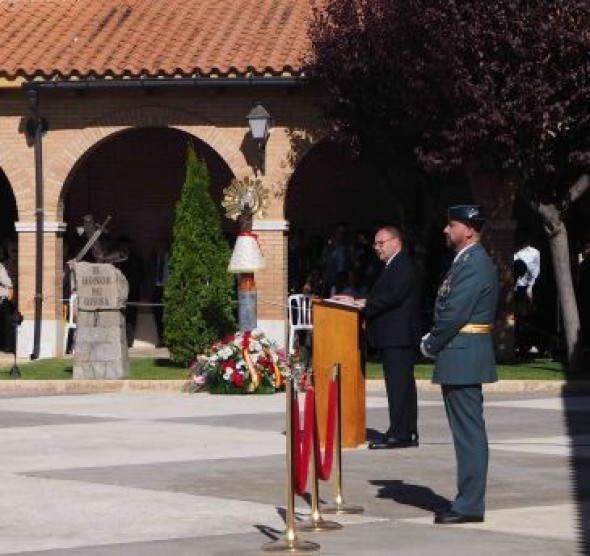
(136, 177)
(8, 212)
(8, 259)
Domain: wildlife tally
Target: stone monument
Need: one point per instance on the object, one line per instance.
(101, 345)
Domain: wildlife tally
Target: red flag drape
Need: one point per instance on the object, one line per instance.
(325, 463)
(302, 446)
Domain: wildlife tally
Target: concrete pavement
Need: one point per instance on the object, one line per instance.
(152, 473)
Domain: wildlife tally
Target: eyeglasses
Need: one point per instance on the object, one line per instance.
(381, 243)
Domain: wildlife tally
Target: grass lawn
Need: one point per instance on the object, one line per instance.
(148, 368)
(140, 368)
(534, 370)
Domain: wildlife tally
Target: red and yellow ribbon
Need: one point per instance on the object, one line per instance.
(254, 374)
(275, 370)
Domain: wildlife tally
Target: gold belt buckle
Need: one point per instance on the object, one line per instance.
(477, 328)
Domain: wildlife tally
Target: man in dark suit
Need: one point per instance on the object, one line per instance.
(461, 342)
(390, 310)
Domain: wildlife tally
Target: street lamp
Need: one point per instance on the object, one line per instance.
(259, 121)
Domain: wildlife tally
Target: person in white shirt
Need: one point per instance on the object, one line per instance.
(527, 266)
(531, 257)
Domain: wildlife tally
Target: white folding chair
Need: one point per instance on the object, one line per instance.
(299, 316)
(70, 324)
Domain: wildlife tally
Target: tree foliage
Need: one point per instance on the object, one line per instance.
(502, 86)
(198, 298)
(505, 83)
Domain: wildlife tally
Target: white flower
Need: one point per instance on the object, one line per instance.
(255, 346)
(225, 352)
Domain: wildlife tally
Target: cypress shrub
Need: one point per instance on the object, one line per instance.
(198, 296)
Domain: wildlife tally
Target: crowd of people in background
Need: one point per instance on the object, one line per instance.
(342, 264)
(345, 264)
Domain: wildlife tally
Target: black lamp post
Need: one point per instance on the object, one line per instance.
(259, 121)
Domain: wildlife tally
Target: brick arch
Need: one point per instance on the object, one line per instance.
(102, 128)
(301, 144)
(19, 176)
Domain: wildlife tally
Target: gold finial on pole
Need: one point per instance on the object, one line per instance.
(291, 543)
(315, 521)
(339, 506)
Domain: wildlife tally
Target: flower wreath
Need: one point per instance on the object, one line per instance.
(244, 363)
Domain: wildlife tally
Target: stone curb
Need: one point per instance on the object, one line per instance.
(374, 385)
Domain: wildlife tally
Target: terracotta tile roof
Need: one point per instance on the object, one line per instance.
(130, 38)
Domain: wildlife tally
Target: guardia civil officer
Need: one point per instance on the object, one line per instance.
(461, 342)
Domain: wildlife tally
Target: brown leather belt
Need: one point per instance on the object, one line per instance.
(477, 328)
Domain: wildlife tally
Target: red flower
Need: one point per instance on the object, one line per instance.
(237, 379)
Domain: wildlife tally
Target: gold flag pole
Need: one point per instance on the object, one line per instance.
(339, 506)
(315, 521)
(290, 543)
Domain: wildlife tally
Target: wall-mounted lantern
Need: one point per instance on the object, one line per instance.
(259, 121)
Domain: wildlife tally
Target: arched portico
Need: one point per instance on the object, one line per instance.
(136, 177)
(70, 143)
(65, 173)
(96, 131)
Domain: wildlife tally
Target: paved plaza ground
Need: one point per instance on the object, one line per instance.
(166, 473)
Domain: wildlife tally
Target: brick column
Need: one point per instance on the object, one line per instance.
(271, 283)
(51, 325)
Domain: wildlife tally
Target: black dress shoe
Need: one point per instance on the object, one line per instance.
(451, 517)
(391, 442)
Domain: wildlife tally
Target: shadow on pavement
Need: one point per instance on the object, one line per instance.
(411, 495)
(576, 406)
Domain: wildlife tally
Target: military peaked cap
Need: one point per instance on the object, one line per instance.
(468, 214)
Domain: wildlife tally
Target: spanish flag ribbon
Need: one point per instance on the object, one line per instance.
(276, 371)
(254, 374)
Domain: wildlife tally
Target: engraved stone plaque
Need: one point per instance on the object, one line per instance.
(100, 287)
(100, 344)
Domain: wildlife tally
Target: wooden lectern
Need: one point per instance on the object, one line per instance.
(337, 339)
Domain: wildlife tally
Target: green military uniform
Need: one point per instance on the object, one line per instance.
(461, 342)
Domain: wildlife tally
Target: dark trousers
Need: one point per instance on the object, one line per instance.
(7, 336)
(398, 371)
(464, 407)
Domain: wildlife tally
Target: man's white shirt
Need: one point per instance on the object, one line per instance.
(531, 257)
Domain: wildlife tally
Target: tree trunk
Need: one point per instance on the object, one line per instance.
(559, 245)
(560, 254)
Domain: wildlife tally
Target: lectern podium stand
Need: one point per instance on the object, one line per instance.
(337, 339)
